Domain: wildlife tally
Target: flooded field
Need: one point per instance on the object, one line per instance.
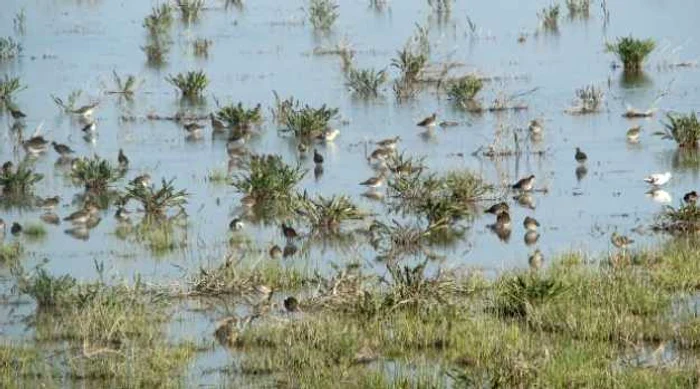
(207, 261)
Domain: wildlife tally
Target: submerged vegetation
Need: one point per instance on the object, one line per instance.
(549, 16)
(631, 51)
(190, 84)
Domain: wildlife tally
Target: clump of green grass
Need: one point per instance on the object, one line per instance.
(96, 174)
(518, 294)
(126, 86)
(283, 107)
(631, 51)
(47, 290)
(156, 51)
(9, 48)
(201, 47)
(322, 14)
(365, 82)
(578, 8)
(682, 220)
(190, 84)
(549, 17)
(157, 202)
(161, 235)
(327, 214)
(684, 129)
(268, 179)
(307, 122)
(239, 116)
(190, 9)
(9, 87)
(241, 277)
(160, 19)
(10, 252)
(410, 63)
(34, 231)
(19, 181)
(465, 89)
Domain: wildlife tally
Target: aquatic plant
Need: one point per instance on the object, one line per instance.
(268, 179)
(95, 174)
(69, 105)
(410, 63)
(9, 87)
(322, 14)
(201, 47)
(240, 116)
(10, 252)
(20, 181)
(549, 17)
(327, 214)
(47, 290)
(517, 295)
(283, 107)
(156, 51)
(126, 86)
(159, 234)
(631, 51)
(307, 122)
(441, 6)
(682, 220)
(157, 202)
(400, 163)
(34, 231)
(160, 19)
(465, 89)
(190, 9)
(9, 48)
(190, 84)
(365, 82)
(684, 129)
(588, 100)
(578, 8)
(19, 22)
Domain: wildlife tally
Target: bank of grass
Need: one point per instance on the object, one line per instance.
(571, 325)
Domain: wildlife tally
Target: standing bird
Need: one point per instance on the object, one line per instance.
(658, 179)
(580, 156)
(142, 180)
(50, 218)
(318, 158)
(428, 122)
(194, 130)
(17, 114)
(690, 198)
(49, 203)
(620, 241)
(89, 128)
(217, 125)
(36, 145)
(536, 259)
(373, 182)
(122, 159)
(535, 127)
(525, 184)
(8, 167)
(275, 252)
(86, 110)
(62, 150)
(16, 229)
(235, 225)
(633, 134)
(530, 223)
(122, 215)
(389, 143)
(289, 232)
(503, 221)
(498, 208)
(291, 304)
(82, 216)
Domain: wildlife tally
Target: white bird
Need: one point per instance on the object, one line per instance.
(660, 196)
(658, 179)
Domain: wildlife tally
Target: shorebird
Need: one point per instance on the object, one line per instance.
(82, 216)
(50, 218)
(122, 215)
(62, 150)
(531, 237)
(503, 221)
(302, 148)
(142, 180)
(89, 128)
(580, 156)
(633, 134)
(318, 158)
(389, 143)
(373, 182)
(288, 231)
(690, 198)
(16, 229)
(194, 130)
(36, 145)
(216, 124)
(49, 203)
(291, 304)
(525, 184)
(329, 134)
(235, 224)
(17, 114)
(498, 208)
(289, 250)
(620, 241)
(658, 179)
(275, 252)
(86, 110)
(535, 260)
(530, 223)
(122, 159)
(429, 122)
(535, 127)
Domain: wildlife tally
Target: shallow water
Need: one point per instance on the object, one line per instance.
(72, 45)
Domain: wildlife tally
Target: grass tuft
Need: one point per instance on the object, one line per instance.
(19, 181)
(578, 8)
(190, 9)
(9, 48)
(239, 116)
(684, 129)
(10, 253)
(190, 84)
(201, 47)
(34, 231)
(160, 19)
(465, 89)
(9, 87)
(322, 14)
(269, 180)
(365, 82)
(96, 174)
(157, 202)
(327, 214)
(549, 16)
(305, 122)
(631, 51)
